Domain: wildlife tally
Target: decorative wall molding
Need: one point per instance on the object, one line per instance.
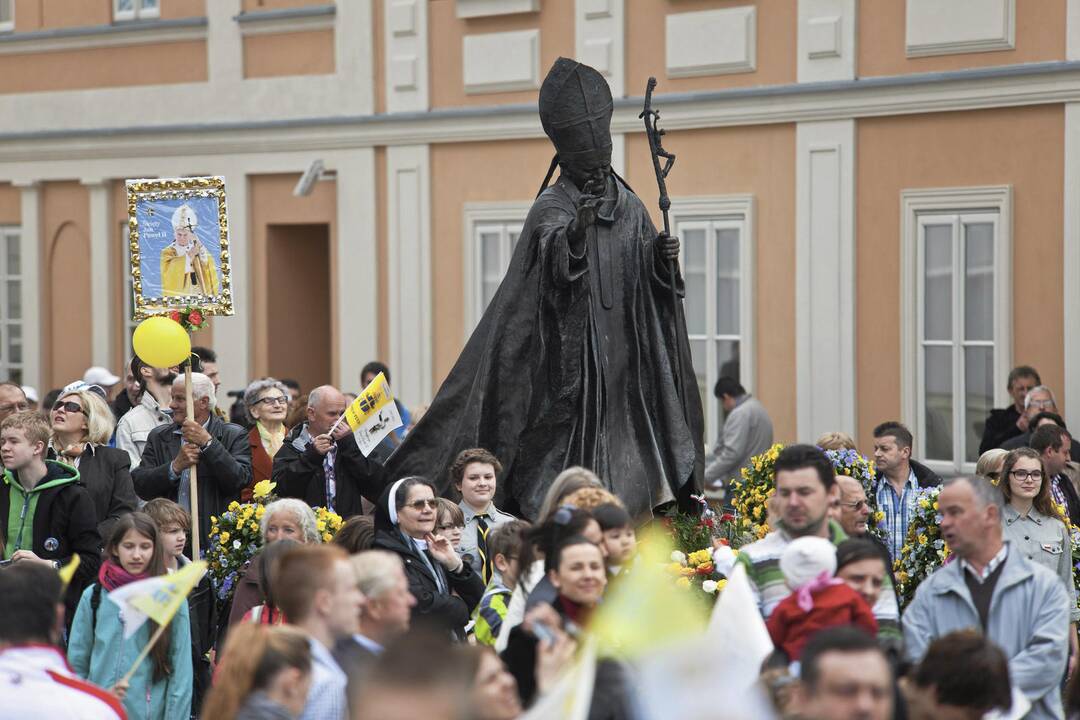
(288, 20)
(827, 40)
(467, 9)
(599, 32)
(501, 62)
(30, 245)
(1072, 30)
(408, 185)
(960, 26)
(101, 236)
(144, 32)
(712, 42)
(56, 151)
(825, 277)
(406, 55)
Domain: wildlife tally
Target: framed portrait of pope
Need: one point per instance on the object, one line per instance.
(179, 246)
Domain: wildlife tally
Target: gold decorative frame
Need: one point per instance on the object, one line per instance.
(170, 190)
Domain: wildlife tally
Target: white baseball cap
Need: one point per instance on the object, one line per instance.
(98, 375)
(30, 393)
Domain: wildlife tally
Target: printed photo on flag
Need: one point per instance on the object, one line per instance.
(373, 415)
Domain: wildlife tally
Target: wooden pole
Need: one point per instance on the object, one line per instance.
(193, 484)
(146, 650)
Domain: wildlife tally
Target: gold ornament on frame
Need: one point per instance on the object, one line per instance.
(179, 246)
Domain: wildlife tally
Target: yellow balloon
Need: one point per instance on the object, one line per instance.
(161, 342)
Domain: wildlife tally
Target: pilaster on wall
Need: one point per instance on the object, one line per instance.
(101, 331)
(827, 40)
(825, 277)
(406, 62)
(30, 244)
(225, 51)
(600, 28)
(356, 304)
(408, 169)
(1071, 252)
(232, 334)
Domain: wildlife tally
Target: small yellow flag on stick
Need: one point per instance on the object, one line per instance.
(68, 571)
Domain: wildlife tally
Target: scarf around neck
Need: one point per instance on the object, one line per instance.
(112, 575)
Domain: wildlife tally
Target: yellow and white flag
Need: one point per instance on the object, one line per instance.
(157, 598)
(373, 415)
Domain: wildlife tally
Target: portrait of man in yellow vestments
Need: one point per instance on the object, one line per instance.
(187, 268)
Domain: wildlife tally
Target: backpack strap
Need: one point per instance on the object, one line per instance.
(95, 603)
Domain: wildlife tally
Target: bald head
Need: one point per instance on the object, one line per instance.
(325, 405)
(854, 511)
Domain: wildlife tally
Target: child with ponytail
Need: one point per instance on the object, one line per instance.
(161, 687)
(264, 672)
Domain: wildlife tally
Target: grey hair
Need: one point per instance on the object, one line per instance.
(305, 517)
(985, 491)
(375, 571)
(251, 394)
(1037, 388)
(201, 387)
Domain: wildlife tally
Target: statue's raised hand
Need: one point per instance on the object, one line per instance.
(667, 246)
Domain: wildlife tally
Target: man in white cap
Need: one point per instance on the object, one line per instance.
(101, 377)
(186, 266)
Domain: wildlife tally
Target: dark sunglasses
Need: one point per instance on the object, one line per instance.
(421, 504)
(68, 406)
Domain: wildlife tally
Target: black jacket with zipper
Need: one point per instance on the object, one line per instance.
(64, 524)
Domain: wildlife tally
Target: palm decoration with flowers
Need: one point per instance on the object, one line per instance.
(924, 550)
(704, 549)
(235, 537)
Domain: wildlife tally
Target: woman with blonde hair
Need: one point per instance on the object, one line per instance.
(82, 423)
(990, 463)
(836, 441)
(264, 673)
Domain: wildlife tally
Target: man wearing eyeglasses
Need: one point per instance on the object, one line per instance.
(12, 400)
(323, 468)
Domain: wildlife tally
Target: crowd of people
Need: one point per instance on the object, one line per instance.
(425, 606)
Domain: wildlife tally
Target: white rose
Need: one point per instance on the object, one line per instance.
(678, 557)
(724, 560)
(709, 586)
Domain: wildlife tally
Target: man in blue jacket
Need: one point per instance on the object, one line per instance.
(1018, 604)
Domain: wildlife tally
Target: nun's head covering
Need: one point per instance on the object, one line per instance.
(386, 512)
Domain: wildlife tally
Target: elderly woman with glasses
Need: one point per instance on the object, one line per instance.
(284, 519)
(1035, 526)
(446, 588)
(82, 423)
(267, 403)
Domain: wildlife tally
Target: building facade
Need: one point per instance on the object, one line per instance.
(879, 202)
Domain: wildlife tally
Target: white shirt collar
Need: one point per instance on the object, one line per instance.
(991, 566)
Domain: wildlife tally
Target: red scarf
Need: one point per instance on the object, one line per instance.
(575, 612)
(112, 575)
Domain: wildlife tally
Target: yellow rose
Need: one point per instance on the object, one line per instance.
(263, 488)
(327, 537)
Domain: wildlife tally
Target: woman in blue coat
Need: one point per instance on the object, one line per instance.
(161, 687)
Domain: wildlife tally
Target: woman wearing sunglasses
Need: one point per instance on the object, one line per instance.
(267, 404)
(1035, 526)
(446, 588)
(82, 423)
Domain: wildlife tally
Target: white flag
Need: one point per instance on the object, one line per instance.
(571, 696)
(373, 415)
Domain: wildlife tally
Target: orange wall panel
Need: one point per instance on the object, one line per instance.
(175, 62)
(777, 37)
(447, 32)
(759, 161)
(298, 53)
(272, 203)
(257, 5)
(1022, 147)
(461, 173)
(73, 13)
(66, 351)
(1040, 37)
(173, 9)
(10, 204)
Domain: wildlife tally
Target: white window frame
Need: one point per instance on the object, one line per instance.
(137, 12)
(918, 205)
(478, 216)
(6, 366)
(8, 25)
(736, 210)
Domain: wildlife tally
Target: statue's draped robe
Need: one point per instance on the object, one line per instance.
(573, 363)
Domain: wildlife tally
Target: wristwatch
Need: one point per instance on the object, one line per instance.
(206, 444)
(56, 565)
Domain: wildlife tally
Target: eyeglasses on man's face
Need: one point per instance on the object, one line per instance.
(856, 506)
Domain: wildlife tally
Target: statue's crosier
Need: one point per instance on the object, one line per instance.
(580, 357)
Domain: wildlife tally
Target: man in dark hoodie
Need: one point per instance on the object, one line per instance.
(46, 515)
